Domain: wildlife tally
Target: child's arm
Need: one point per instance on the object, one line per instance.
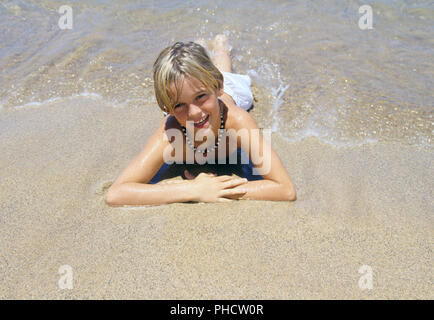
(277, 184)
(131, 187)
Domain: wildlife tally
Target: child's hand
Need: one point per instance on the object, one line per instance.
(211, 188)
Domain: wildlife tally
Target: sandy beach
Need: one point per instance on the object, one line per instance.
(362, 205)
(351, 111)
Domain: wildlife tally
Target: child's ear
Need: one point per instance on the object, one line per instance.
(220, 91)
(165, 111)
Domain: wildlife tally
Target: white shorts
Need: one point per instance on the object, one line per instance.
(238, 87)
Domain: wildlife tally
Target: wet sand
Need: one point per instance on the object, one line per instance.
(368, 205)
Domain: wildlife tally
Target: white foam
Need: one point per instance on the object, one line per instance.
(278, 94)
(35, 104)
(268, 74)
(88, 95)
(309, 133)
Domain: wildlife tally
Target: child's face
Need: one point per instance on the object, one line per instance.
(195, 103)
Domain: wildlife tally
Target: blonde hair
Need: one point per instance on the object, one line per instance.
(178, 61)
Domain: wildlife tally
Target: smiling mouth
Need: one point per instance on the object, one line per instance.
(201, 122)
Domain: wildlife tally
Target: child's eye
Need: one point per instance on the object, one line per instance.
(201, 96)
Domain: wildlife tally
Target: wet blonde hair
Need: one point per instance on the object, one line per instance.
(175, 63)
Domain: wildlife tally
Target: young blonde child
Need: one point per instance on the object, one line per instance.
(200, 93)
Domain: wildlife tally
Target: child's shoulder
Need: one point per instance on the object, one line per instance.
(169, 122)
(237, 118)
(161, 133)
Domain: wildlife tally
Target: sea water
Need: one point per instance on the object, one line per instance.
(315, 72)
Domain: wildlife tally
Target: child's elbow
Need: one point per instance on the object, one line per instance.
(291, 195)
(112, 198)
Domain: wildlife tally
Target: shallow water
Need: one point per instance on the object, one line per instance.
(314, 72)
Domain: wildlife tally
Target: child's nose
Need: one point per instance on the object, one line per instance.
(194, 110)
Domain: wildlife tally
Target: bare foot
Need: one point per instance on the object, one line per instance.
(221, 53)
(221, 44)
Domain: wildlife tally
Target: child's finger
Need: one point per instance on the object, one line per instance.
(232, 192)
(211, 174)
(224, 178)
(225, 200)
(234, 182)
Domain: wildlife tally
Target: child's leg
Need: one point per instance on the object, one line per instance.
(222, 54)
(219, 51)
